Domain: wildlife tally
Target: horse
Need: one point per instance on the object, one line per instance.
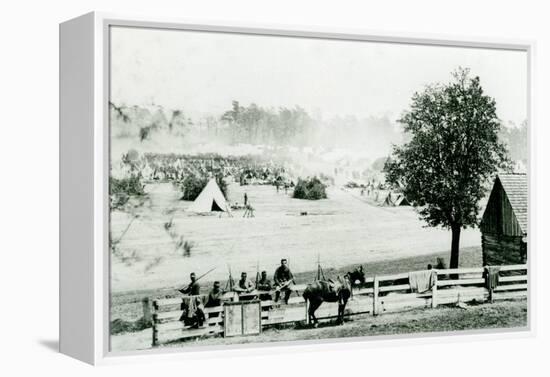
(320, 291)
(357, 276)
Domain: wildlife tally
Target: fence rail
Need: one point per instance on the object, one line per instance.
(379, 294)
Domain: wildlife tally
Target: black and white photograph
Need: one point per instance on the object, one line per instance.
(274, 189)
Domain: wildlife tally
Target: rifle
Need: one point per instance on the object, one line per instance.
(181, 290)
(230, 282)
(284, 285)
(257, 274)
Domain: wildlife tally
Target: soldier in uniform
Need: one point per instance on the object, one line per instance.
(264, 284)
(194, 288)
(215, 296)
(192, 307)
(243, 285)
(214, 299)
(283, 278)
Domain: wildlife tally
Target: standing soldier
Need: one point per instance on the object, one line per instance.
(245, 199)
(192, 306)
(194, 288)
(283, 278)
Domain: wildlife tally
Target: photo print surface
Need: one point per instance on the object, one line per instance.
(275, 189)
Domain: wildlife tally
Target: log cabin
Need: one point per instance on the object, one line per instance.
(504, 222)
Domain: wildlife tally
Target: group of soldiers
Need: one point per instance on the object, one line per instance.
(282, 281)
(244, 287)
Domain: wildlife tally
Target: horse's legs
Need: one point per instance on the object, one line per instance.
(341, 310)
(313, 305)
(340, 319)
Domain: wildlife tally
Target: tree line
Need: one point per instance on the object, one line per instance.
(253, 124)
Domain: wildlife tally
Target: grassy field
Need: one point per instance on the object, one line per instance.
(341, 230)
(499, 315)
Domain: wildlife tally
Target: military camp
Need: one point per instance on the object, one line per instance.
(245, 213)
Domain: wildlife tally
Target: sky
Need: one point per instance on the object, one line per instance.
(202, 72)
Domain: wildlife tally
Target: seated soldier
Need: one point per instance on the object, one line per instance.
(244, 286)
(283, 278)
(215, 296)
(214, 299)
(264, 285)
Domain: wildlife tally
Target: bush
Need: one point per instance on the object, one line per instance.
(130, 186)
(120, 326)
(122, 189)
(311, 189)
(193, 184)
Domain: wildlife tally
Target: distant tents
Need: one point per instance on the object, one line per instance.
(395, 200)
(401, 201)
(388, 201)
(210, 199)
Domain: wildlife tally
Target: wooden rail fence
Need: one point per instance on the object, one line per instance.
(379, 294)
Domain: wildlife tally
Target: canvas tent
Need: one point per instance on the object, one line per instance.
(388, 201)
(401, 201)
(210, 199)
(394, 200)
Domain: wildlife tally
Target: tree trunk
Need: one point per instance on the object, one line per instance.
(455, 245)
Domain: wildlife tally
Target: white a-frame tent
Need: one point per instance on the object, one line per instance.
(210, 199)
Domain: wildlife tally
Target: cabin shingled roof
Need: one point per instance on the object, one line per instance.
(515, 186)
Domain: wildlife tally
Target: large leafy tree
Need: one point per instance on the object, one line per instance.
(452, 152)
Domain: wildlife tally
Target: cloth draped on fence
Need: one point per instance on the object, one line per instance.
(422, 281)
(491, 276)
(193, 309)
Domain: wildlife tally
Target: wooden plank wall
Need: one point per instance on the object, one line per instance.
(499, 217)
(503, 250)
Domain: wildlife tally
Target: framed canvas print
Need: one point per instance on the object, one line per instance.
(228, 186)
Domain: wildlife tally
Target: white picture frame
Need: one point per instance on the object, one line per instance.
(84, 172)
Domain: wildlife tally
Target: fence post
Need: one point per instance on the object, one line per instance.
(155, 330)
(307, 313)
(488, 284)
(434, 290)
(375, 296)
(146, 310)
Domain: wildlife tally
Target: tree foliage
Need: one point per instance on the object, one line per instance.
(131, 185)
(516, 140)
(193, 185)
(453, 151)
(311, 189)
(122, 189)
(254, 124)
